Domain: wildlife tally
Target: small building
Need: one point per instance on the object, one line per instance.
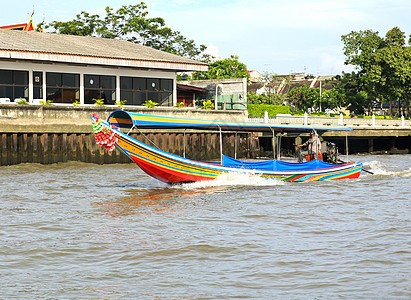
(255, 76)
(231, 92)
(188, 94)
(70, 69)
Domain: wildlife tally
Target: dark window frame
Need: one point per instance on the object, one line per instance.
(58, 91)
(159, 90)
(99, 89)
(14, 87)
(37, 85)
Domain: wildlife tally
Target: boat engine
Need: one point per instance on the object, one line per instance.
(331, 153)
(300, 153)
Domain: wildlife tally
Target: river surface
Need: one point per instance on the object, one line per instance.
(86, 231)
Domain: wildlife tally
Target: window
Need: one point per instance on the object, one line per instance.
(126, 83)
(166, 99)
(38, 85)
(139, 84)
(6, 77)
(63, 87)
(133, 90)
(53, 80)
(99, 87)
(153, 84)
(166, 92)
(137, 90)
(14, 84)
(21, 78)
(71, 80)
(167, 85)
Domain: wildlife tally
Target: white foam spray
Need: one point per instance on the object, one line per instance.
(379, 168)
(232, 179)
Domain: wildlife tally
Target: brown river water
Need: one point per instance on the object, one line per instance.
(86, 231)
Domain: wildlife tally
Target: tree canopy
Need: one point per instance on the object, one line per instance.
(226, 68)
(303, 97)
(130, 22)
(383, 68)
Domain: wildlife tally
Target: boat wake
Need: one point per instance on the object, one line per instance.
(231, 179)
(379, 168)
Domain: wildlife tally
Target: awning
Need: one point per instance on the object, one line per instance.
(190, 88)
(127, 120)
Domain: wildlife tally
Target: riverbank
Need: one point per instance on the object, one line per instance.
(51, 133)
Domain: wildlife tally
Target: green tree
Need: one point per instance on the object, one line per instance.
(359, 49)
(359, 46)
(383, 67)
(304, 97)
(331, 99)
(348, 91)
(130, 22)
(227, 68)
(395, 38)
(393, 69)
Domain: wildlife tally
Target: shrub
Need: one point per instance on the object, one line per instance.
(22, 101)
(273, 110)
(179, 105)
(47, 102)
(207, 104)
(150, 104)
(98, 102)
(121, 103)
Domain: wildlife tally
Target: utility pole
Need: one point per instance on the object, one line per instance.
(320, 95)
(216, 92)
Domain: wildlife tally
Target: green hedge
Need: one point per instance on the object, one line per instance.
(377, 117)
(273, 110)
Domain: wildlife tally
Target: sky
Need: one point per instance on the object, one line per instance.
(275, 36)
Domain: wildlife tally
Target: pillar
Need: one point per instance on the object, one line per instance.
(370, 145)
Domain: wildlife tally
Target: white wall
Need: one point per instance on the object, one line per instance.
(81, 69)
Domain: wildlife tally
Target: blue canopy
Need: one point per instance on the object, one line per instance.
(127, 120)
(275, 165)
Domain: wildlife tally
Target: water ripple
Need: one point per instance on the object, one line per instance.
(84, 231)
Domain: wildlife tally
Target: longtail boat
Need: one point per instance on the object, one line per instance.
(171, 168)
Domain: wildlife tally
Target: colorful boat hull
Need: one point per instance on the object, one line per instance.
(171, 168)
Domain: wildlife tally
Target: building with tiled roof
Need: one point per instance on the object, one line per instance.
(68, 69)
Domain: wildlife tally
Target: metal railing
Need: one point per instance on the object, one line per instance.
(341, 120)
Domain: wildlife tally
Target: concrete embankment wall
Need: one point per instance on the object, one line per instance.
(372, 135)
(51, 134)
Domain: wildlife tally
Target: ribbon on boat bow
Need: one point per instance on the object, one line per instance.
(105, 136)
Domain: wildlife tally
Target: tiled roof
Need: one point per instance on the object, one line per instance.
(61, 44)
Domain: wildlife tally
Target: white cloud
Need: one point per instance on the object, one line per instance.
(212, 50)
(331, 64)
